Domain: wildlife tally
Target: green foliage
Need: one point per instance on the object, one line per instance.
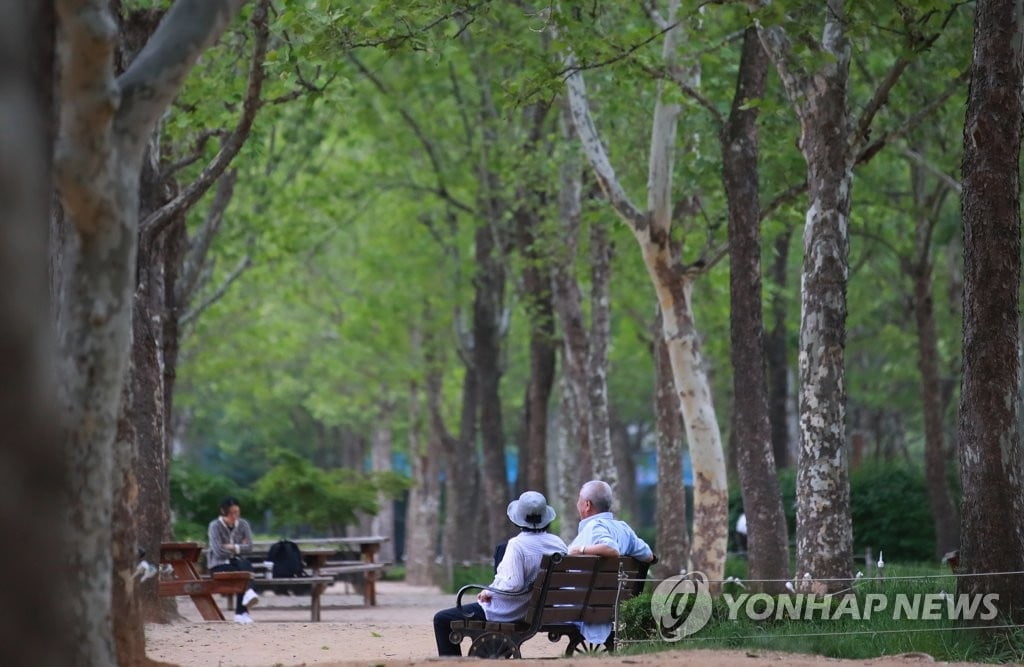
(196, 496)
(301, 494)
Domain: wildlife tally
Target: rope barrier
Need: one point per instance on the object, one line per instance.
(826, 634)
(858, 579)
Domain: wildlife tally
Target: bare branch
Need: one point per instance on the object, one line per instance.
(912, 122)
(219, 293)
(623, 54)
(878, 100)
(195, 259)
(160, 218)
(924, 162)
(199, 146)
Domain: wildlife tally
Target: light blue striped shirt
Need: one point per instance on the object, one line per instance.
(605, 529)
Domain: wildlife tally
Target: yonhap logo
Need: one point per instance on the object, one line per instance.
(681, 605)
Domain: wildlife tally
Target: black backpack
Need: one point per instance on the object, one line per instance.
(287, 560)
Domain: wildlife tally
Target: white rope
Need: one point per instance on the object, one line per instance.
(827, 634)
(858, 579)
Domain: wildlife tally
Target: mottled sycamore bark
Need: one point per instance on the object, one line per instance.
(824, 530)
(105, 123)
(673, 285)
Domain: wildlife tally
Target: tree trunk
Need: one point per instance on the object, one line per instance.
(543, 350)
(567, 465)
(424, 507)
(623, 446)
(105, 123)
(777, 353)
(671, 531)
(751, 432)
(992, 524)
(710, 493)
(944, 511)
(824, 530)
(383, 523)
(460, 542)
(945, 515)
(32, 485)
(575, 463)
(488, 310)
(597, 359)
(672, 284)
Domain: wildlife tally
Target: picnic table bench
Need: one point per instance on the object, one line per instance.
(567, 589)
(186, 580)
(320, 556)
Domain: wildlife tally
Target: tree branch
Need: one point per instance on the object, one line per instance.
(783, 198)
(879, 99)
(865, 155)
(579, 109)
(187, 198)
(156, 75)
(194, 313)
(924, 162)
(663, 137)
(197, 151)
(195, 259)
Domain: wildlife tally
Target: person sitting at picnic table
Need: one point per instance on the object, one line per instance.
(601, 534)
(516, 571)
(228, 537)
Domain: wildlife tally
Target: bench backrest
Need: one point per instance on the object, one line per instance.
(582, 588)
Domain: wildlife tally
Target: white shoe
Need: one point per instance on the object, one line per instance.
(250, 599)
(243, 618)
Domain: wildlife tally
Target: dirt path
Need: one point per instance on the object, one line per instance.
(396, 632)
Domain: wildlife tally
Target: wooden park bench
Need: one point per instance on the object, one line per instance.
(567, 589)
(185, 579)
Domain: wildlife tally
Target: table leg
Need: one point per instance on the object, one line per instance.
(369, 552)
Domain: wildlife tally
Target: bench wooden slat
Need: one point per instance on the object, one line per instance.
(260, 582)
(597, 597)
(578, 580)
(569, 614)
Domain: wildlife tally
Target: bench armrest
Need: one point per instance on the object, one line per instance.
(462, 591)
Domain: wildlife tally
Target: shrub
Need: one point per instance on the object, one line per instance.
(301, 494)
(196, 496)
(888, 504)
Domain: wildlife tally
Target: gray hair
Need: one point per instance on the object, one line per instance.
(599, 493)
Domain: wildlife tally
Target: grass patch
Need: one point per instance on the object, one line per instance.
(853, 636)
(470, 574)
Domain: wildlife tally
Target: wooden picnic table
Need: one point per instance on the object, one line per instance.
(183, 557)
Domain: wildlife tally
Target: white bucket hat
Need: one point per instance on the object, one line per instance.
(531, 511)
